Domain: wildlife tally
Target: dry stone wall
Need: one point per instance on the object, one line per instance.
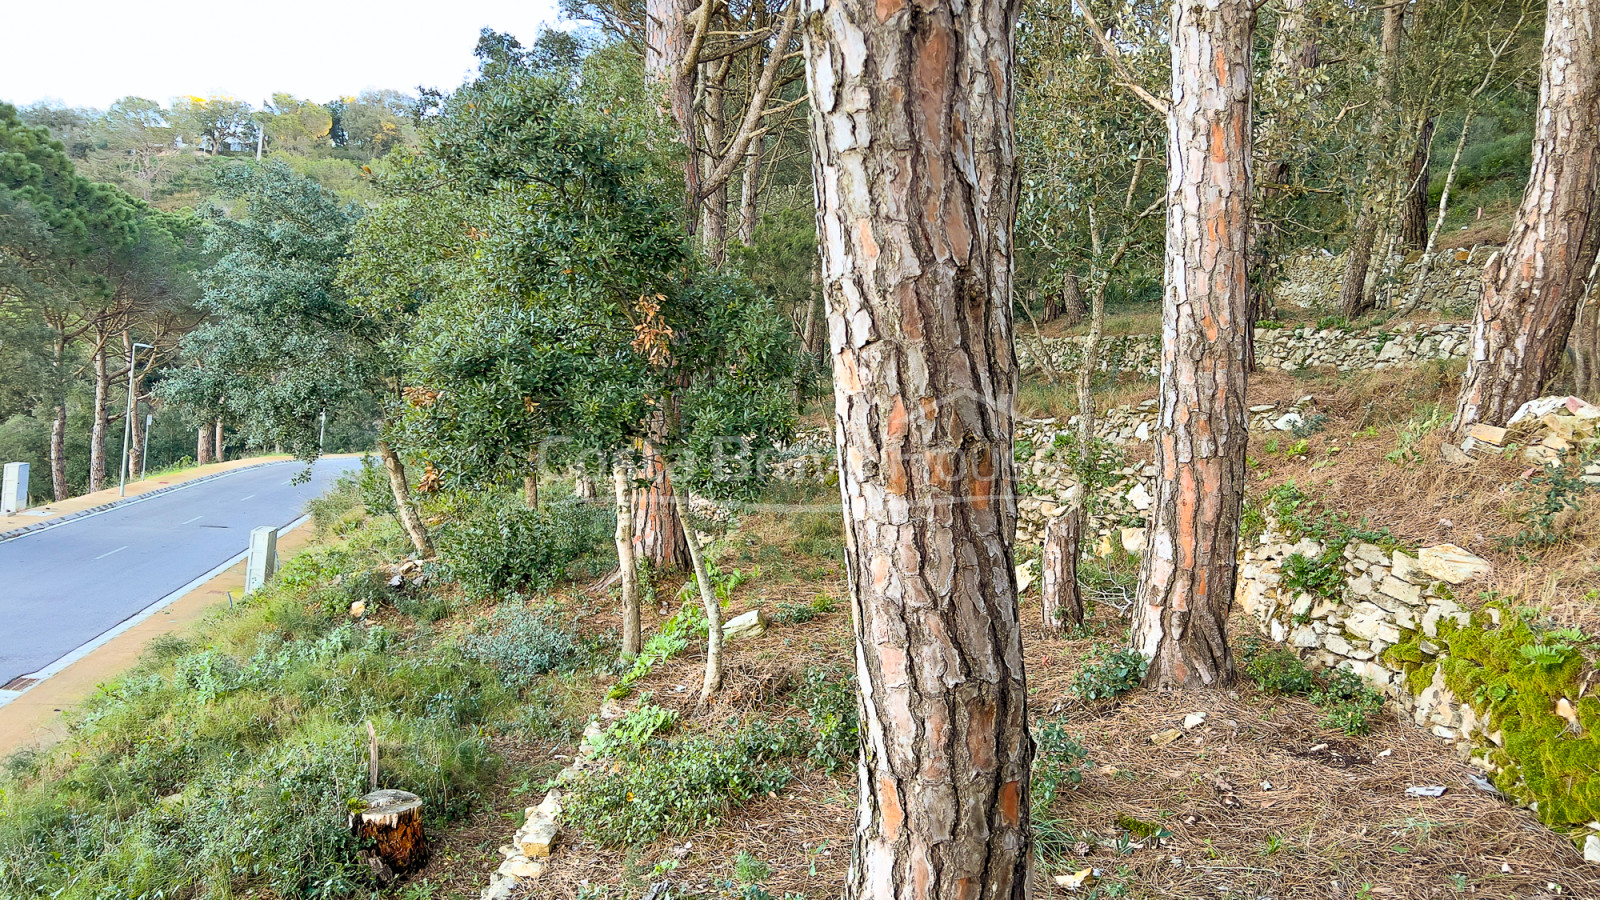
(1289, 349)
(1311, 280)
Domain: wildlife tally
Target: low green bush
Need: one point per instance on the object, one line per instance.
(502, 547)
(1110, 674)
(682, 785)
(1346, 701)
(1280, 672)
(829, 699)
(522, 643)
(798, 613)
(1058, 764)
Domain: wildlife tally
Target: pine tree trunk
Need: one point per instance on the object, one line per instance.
(136, 435)
(657, 535)
(1072, 305)
(915, 161)
(1414, 206)
(58, 452)
(202, 449)
(1358, 261)
(749, 187)
(530, 482)
(1354, 297)
(99, 422)
(584, 489)
(627, 568)
(1187, 578)
(1533, 287)
(667, 46)
(1058, 570)
(1584, 344)
(405, 510)
(218, 446)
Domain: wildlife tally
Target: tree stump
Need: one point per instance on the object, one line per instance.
(392, 820)
(1058, 570)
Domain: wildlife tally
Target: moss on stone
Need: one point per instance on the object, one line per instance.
(1543, 762)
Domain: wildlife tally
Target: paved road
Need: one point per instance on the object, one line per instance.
(65, 586)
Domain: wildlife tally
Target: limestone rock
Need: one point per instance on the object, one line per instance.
(1489, 434)
(1163, 738)
(538, 837)
(1024, 578)
(1591, 848)
(1133, 540)
(1193, 720)
(1140, 497)
(1451, 564)
(748, 625)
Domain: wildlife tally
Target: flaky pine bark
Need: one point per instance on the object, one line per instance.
(915, 172)
(202, 447)
(1059, 595)
(1186, 580)
(627, 568)
(1584, 346)
(405, 510)
(1532, 288)
(1072, 305)
(58, 451)
(657, 533)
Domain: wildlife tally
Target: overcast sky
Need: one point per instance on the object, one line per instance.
(91, 52)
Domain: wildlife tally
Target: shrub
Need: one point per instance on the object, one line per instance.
(1280, 672)
(1349, 704)
(1058, 761)
(522, 644)
(829, 699)
(634, 730)
(1112, 674)
(797, 613)
(679, 786)
(503, 547)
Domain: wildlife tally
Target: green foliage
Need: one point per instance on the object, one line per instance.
(1321, 576)
(1058, 764)
(1111, 673)
(222, 766)
(1280, 672)
(1413, 431)
(1094, 467)
(502, 546)
(1348, 704)
(633, 730)
(681, 785)
(522, 643)
(798, 613)
(1557, 489)
(829, 699)
(749, 869)
(1514, 674)
(669, 640)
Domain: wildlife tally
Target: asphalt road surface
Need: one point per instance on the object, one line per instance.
(63, 587)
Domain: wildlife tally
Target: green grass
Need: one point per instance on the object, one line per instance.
(224, 764)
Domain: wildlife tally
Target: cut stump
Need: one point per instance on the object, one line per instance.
(1058, 581)
(392, 820)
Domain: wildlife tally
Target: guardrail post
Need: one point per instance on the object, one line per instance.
(263, 559)
(14, 489)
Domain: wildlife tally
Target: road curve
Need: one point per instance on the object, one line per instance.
(64, 586)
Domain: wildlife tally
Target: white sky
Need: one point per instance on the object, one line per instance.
(92, 52)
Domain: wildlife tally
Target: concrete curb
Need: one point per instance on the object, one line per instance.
(15, 533)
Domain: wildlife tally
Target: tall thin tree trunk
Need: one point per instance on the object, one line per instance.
(530, 482)
(1072, 305)
(708, 600)
(584, 489)
(58, 418)
(1533, 287)
(1295, 52)
(1187, 577)
(1414, 206)
(915, 162)
(1354, 299)
(58, 451)
(202, 447)
(218, 447)
(749, 188)
(405, 510)
(1425, 264)
(627, 568)
(100, 421)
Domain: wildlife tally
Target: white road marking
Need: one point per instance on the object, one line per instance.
(195, 519)
(246, 497)
(108, 553)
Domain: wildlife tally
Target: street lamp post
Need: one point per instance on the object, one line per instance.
(127, 421)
